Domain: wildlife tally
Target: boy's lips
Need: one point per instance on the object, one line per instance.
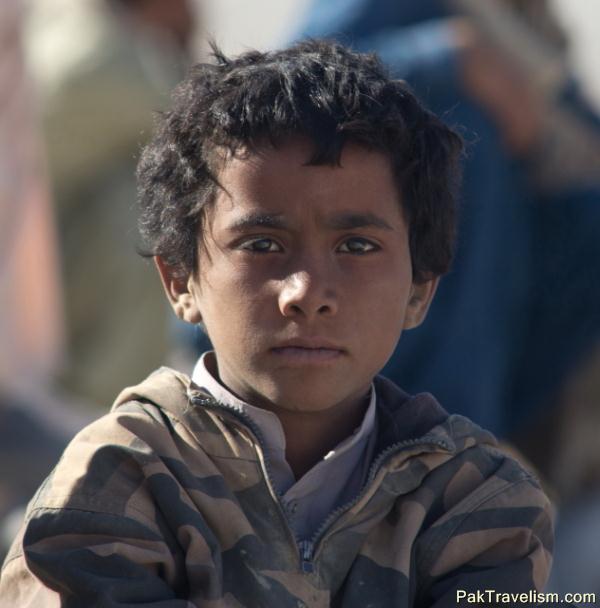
(308, 351)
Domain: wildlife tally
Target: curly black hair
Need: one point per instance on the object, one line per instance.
(317, 89)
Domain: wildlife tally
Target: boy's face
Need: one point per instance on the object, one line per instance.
(305, 279)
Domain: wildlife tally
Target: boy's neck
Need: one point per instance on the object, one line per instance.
(309, 436)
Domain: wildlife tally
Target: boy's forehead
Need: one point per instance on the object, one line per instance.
(281, 179)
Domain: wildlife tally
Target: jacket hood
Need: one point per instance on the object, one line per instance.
(407, 418)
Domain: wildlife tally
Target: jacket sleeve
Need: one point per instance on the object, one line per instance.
(79, 558)
(93, 535)
(497, 541)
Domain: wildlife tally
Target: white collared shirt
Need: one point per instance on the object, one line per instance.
(331, 483)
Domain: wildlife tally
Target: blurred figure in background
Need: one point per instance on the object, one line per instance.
(512, 339)
(102, 67)
(34, 426)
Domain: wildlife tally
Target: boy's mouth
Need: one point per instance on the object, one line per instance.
(308, 351)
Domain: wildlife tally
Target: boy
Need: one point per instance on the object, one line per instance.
(299, 204)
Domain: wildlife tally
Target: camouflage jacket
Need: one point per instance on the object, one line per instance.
(166, 502)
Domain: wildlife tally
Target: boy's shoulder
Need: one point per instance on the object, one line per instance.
(457, 457)
(165, 388)
(154, 430)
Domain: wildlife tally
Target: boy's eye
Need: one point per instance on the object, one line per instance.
(357, 245)
(261, 245)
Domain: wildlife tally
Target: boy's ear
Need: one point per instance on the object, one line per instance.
(179, 292)
(418, 304)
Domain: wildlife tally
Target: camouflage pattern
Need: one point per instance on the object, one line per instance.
(166, 502)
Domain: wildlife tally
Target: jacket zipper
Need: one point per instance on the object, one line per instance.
(306, 549)
(311, 546)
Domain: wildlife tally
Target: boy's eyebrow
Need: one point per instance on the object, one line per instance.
(349, 221)
(342, 221)
(257, 220)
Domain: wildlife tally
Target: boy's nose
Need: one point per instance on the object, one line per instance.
(307, 294)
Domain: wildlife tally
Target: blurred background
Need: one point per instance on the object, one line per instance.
(512, 340)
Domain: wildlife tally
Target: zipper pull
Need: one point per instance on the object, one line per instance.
(306, 556)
